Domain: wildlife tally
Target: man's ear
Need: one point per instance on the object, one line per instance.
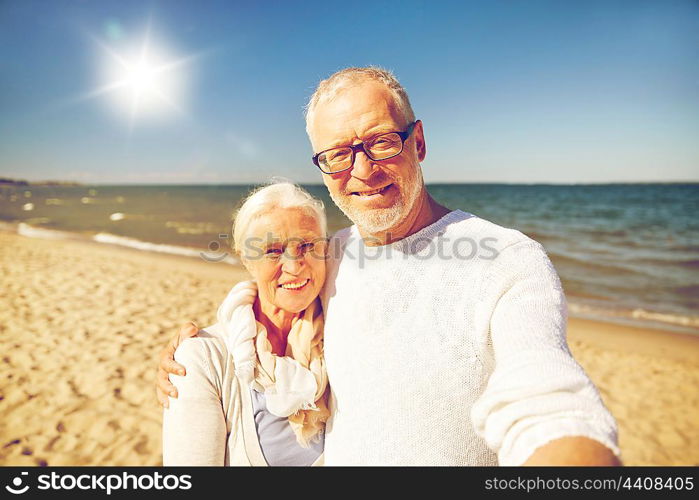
(420, 146)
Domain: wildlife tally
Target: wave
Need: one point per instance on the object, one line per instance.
(40, 232)
(542, 236)
(618, 233)
(113, 239)
(590, 264)
(684, 248)
(29, 231)
(689, 263)
(688, 291)
(688, 322)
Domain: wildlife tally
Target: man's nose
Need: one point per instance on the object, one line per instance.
(363, 167)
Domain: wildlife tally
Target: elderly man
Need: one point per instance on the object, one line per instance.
(444, 333)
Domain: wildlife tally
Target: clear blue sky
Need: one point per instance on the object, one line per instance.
(509, 91)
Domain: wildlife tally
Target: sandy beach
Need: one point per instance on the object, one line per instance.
(81, 325)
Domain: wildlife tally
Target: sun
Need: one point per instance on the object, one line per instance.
(141, 78)
(145, 83)
(142, 81)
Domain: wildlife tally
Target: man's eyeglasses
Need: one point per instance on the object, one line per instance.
(380, 147)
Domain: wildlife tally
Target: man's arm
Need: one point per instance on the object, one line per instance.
(574, 450)
(168, 365)
(539, 406)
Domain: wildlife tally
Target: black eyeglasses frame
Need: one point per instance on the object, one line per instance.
(404, 135)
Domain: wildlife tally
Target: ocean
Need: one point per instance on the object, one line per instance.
(626, 253)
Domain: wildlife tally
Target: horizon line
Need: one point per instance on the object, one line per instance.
(70, 183)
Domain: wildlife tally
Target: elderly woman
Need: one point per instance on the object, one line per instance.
(256, 389)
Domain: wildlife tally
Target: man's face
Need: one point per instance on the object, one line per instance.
(375, 195)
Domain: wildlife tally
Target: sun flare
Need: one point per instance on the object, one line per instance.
(145, 83)
(142, 82)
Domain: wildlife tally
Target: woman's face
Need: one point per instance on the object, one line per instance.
(284, 250)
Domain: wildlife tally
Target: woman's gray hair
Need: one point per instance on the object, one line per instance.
(280, 194)
(329, 88)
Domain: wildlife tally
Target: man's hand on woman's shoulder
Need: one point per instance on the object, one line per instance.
(163, 387)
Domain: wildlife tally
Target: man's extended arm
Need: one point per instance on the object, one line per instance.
(539, 406)
(575, 450)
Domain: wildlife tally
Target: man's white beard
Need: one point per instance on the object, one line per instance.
(378, 220)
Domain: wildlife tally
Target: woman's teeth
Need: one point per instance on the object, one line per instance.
(295, 286)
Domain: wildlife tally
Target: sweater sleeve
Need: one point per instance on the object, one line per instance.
(194, 426)
(537, 392)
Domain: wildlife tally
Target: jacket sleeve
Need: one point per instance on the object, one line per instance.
(536, 392)
(194, 426)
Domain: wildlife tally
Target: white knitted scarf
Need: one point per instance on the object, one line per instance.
(295, 385)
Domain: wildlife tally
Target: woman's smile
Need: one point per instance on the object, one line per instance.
(295, 286)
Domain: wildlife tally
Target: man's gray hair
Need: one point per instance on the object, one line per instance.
(278, 195)
(329, 88)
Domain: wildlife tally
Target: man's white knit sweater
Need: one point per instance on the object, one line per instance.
(449, 348)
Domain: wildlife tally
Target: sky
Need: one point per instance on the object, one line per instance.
(207, 92)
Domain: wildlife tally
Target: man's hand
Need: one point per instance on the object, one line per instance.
(575, 450)
(163, 387)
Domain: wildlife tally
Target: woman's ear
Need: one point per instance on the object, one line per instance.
(243, 261)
